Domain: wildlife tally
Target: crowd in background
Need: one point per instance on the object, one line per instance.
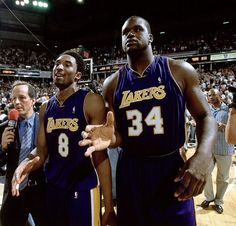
(19, 57)
(220, 77)
(16, 57)
(205, 43)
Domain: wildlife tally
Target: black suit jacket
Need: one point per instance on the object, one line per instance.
(11, 157)
(32, 199)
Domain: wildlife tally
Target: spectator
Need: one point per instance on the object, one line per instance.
(222, 155)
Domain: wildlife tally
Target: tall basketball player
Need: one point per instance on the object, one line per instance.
(148, 97)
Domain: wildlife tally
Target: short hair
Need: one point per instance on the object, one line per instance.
(145, 21)
(78, 58)
(31, 89)
(216, 91)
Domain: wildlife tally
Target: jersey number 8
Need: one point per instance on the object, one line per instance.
(63, 145)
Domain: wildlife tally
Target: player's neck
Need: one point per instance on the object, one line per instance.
(62, 95)
(140, 63)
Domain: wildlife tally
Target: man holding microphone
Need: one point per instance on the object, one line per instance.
(18, 138)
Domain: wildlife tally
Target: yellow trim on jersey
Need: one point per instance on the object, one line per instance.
(95, 206)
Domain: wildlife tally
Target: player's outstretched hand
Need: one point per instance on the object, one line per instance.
(99, 137)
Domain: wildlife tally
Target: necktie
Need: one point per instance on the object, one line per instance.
(25, 149)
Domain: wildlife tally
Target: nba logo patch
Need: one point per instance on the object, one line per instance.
(76, 195)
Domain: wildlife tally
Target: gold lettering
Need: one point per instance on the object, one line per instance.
(59, 123)
(50, 125)
(62, 123)
(73, 125)
(140, 95)
(130, 98)
(137, 95)
(124, 102)
(161, 91)
(146, 94)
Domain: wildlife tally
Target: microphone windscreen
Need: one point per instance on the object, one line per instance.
(13, 115)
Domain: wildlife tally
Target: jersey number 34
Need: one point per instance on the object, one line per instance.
(152, 119)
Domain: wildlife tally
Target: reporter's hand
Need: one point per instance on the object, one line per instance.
(8, 137)
(20, 174)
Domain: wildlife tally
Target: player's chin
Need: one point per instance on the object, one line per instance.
(131, 50)
(60, 84)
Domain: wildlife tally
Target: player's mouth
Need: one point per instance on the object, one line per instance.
(58, 75)
(131, 42)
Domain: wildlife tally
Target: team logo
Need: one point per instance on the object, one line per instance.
(76, 196)
(130, 97)
(62, 123)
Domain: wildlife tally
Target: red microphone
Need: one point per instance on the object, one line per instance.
(13, 116)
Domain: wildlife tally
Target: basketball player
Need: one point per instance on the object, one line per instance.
(73, 186)
(148, 98)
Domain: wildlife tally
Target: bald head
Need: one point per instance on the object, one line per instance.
(214, 91)
(135, 18)
(214, 97)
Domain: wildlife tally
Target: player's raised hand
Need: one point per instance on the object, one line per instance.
(99, 137)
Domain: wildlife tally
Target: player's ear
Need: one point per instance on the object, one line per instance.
(78, 76)
(150, 38)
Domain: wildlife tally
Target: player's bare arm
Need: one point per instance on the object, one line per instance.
(96, 114)
(108, 90)
(193, 174)
(230, 131)
(101, 134)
